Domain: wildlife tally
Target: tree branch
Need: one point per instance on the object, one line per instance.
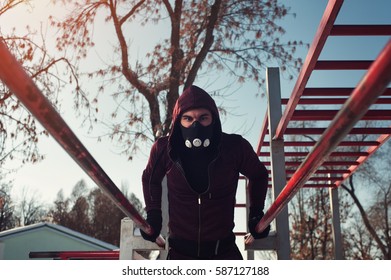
(208, 42)
(364, 215)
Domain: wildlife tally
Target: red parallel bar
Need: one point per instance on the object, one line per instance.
(241, 205)
(332, 171)
(23, 87)
(311, 143)
(335, 92)
(361, 30)
(263, 133)
(331, 101)
(327, 179)
(86, 255)
(325, 163)
(367, 91)
(328, 115)
(343, 64)
(317, 179)
(357, 130)
(321, 171)
(317, 101)
(333, 154)
(313, 186)
(317, 45)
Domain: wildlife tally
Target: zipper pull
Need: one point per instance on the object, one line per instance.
(199, 200)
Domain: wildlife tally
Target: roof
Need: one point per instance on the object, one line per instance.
(59, 229)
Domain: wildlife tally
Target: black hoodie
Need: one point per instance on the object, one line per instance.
(209, 215)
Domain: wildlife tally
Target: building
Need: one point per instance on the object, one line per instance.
(17, 243)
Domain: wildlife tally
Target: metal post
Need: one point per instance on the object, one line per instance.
(277, 160)
(364, 95)
(336, 224)
(2, 245)
(129, 243)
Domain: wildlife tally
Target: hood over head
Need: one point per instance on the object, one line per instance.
(194, 97)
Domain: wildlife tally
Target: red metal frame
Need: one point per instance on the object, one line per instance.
(354, 109)
(328, 157)
(365, 94)
(321, 36)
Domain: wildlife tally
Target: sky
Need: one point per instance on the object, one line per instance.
(59, 172)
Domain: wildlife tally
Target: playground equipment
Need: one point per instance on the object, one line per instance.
(356, 107)
(356, 101)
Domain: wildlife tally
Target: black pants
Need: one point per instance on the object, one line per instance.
(224, 249)
(233, 254)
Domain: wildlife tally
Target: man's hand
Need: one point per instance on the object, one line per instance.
(154, 219)
(252, 223)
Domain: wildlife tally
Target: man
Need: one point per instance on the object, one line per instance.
(202, 165)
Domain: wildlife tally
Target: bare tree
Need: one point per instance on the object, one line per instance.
(59, 211)
(79, 215)
(90, 211)
(19, 132)
(310, 213)
(7, 218)
(376, 178)
(358, 243)
(235, 37)
(29, 210)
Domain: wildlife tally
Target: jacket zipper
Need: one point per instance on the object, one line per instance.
(199, 207)
(198, 200)
(199, 225)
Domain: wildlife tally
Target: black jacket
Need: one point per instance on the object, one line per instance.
(207, 216)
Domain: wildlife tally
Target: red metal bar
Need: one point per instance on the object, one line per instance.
(367, 91)
(317, 101)
(335, 92)
(317, 45)
(328, 115)
(321, 171)
(320, 130)
(343, 65)
(20, 83)
(317, 179)
(264, 127)
(361, 30)
(325, 163)
(314, 186)
(327, 92)
(326, 179)
(84, 255)
(333, 154)
(331, 101)
(311, 143)
(332, 171)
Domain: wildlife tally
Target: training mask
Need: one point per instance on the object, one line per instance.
(197, 135)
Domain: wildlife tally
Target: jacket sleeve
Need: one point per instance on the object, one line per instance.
(153, 176)
(257, 175)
